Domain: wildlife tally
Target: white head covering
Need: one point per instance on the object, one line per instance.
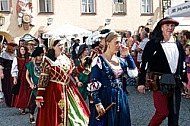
(52, 40)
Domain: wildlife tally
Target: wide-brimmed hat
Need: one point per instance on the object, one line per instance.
(30, 42)
(37, 52)
(12, 44)
(104, 32)
(169, 20)
(26, 18)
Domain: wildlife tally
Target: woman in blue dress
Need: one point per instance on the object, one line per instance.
(106, 84)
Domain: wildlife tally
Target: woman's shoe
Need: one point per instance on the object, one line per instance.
(1, 100)
(32, 120)
(22, 112)
(183, 94)
(187, 96)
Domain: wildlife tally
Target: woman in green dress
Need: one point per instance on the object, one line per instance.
(83, 79)
(32, 76)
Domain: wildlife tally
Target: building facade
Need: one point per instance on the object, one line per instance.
(120, 15)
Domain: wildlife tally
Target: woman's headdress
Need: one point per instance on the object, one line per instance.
(52, 41)
(37, 52)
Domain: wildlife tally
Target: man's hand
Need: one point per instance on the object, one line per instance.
(1, 73)
(141, 89)
(1, 76)
(14, 80)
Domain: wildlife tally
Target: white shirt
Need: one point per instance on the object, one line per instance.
(172, 53)
(14, 68)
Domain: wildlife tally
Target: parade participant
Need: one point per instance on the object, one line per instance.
(30, 46)
(6, 59)
(58, 99)
(163, 56)
(22, 42)
(74, 46)
(106, 84)
(82, 80)
(32, 76)
(99, 49)
(18, 71)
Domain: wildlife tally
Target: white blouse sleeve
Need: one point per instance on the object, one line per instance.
(14, 69)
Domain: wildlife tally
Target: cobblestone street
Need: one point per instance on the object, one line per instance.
(141, 107)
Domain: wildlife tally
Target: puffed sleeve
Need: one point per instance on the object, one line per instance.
(132, 70)
(43, 80)
(14, 68)
(130, 62)
(95, 84)
(77, 69)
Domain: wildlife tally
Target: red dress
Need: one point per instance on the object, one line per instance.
(21, 100)
(62, 102)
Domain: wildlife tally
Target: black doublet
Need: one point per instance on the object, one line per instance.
(154, 55)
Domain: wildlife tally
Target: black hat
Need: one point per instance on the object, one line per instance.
(37, 52)
(157, 32)
(104, 32)
(169, 20)
(81, 49)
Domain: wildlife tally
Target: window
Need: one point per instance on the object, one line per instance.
(4, 5)
(88, 6)
(119, 6)
(146, 6)
(45, 5)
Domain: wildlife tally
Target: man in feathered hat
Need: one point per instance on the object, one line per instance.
(163, 56)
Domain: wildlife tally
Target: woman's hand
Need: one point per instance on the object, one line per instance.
(14, 80)
(79, 84)
(32, 86)
(100, 109)
(86, 60)
(124, 50)
(39, 104)
(83, 60)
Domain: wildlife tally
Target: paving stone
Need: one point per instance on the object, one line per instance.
(141, 110)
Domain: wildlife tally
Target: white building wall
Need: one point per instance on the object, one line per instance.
(69, 11)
